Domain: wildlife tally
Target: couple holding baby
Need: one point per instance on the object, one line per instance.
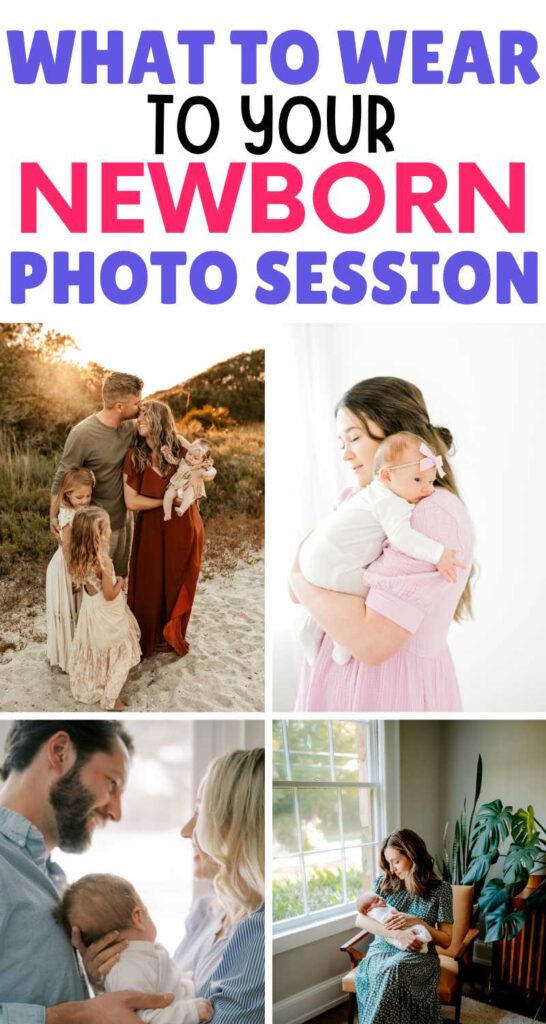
(62, 779)
(126, 458)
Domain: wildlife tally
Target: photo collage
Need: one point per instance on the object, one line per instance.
(247, 778)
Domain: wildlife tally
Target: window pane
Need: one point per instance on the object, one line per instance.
(319, 818)
(357, 816)
(351, 751)
(359, 864)
(287, 889)
(279, 763)
(285, 833)
(324, 880)
(309, 751)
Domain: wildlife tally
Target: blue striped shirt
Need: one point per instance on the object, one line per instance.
(38, 966)
(236, 987)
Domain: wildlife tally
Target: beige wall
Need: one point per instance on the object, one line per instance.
(437, 769)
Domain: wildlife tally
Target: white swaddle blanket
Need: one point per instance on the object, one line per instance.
(382, 914)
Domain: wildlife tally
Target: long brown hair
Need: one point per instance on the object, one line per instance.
(162, 435)
(87, 536)
(422, 876)
(396, 406)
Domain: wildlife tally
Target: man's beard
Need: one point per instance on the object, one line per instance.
(72, 803)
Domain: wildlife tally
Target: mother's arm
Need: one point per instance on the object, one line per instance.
(364, 632)
(136, 502)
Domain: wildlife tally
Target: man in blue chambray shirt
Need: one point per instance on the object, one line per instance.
(62, 779)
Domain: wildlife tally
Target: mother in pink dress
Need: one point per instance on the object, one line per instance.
(397, 636)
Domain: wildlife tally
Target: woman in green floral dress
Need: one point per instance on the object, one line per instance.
(400, 986)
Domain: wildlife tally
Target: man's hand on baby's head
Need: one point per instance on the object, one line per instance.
(204, 1009)
(99, 957)
(448, 565)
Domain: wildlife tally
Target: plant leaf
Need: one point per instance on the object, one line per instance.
(494, 894)
(524, 831)
(477, 869)
(518, 863)
(502, 925)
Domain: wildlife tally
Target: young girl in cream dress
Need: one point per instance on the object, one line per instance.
(62, 599)
(105, 645)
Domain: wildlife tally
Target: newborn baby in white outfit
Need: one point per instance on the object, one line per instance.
(98, 904)
(375, 906)
(336, 553)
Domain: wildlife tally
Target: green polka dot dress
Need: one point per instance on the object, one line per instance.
(395, 986)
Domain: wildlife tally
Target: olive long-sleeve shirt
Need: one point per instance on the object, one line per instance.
(101, 449)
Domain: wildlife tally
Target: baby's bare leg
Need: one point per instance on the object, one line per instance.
(170, 495)
(188, 499)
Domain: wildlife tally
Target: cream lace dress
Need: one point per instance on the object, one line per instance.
(105, 646)
(61, 602)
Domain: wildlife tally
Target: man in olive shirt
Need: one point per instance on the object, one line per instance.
(100, 443)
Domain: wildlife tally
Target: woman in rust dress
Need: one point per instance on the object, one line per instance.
(166, 556)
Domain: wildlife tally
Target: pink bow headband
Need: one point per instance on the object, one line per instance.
(430, 460)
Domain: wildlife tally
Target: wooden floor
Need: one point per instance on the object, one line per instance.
(339, 1014)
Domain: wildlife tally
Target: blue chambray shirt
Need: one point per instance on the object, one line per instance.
(38, 966)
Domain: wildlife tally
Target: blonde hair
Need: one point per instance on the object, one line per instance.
(118, 386)
(393, 448)
(85, 557)
(71, 479)
(230, 829)
(97, 904)
(162, 435)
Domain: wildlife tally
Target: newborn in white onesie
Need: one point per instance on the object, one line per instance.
(98, 904)
(336, 553)
(382, 914)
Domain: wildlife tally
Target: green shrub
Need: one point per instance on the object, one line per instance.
(324, 889)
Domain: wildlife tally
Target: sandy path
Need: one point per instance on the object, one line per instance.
(224, 670)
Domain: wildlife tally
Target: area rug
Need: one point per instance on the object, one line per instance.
(480, 1013)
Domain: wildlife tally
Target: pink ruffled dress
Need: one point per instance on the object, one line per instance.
(421, 675)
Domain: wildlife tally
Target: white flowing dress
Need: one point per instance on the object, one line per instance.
(105, 646)
(61, 602)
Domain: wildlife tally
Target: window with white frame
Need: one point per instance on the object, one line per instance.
(328, 816)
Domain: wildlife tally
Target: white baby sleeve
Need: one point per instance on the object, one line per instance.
(182, 1011)
(394, 514)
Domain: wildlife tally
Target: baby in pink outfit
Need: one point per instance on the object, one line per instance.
(188, 483)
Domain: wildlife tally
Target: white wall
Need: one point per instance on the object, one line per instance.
(488, 385)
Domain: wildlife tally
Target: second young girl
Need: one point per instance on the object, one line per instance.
(75, 492)
(106, 640)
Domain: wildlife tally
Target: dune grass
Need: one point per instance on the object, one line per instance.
(233, 511)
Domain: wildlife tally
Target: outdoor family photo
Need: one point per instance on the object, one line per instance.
(131, 531)
(402, 548)
(140, 845)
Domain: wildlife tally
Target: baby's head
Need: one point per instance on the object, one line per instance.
(76, 488)
(98, 904)
(407, 466)
(198, 453)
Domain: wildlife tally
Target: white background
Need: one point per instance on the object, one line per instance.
(487, 384)
(445, 124)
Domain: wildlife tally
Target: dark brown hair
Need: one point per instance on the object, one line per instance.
(397, 406)
(97, 904)
(422, 876)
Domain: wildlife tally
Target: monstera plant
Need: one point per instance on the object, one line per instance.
(476, 847)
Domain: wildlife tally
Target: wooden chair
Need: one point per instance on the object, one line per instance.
(452, 960)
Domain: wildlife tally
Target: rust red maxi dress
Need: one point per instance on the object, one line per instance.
(164, 567)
